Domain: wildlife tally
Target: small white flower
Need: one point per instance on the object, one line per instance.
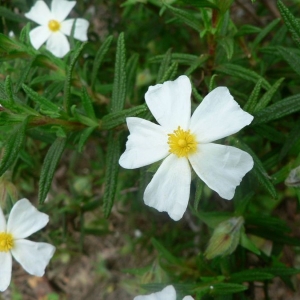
(185, 141)
(23, 221)
(168, 293)
(54, 27)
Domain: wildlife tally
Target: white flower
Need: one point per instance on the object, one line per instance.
(54, 27)
(185, 141)
(23, 221)
(168, 293)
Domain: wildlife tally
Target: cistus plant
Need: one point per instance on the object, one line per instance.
(200, 97)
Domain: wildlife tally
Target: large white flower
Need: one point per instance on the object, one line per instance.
(53, 26)
(168, 293)
(185, 141)
(23, 221)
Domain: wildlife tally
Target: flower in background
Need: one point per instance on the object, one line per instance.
(24, 220)
(168, 293)
(185, 141)
(53, 26)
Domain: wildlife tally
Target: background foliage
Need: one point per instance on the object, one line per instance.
(63, 129)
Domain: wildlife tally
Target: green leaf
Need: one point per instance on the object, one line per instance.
(67, 86)
(226, 288)
(99, 58)
(49, 165)
(87, 104)
(164, 252)
(113, 120)
(291, 140)
(187, 17)
(290, 21)
(8, 90)
(13, 146)
(112, 171)
(251, 275)
(277, 110)
(242, 73)
(265, 31)
(281, 271)
(253, 99)
(258, 169)
(248, 244)
(9, 15)
(131, 71)
(23, 75)
(196, 64)
(246, 30)
(270, 133)
(291, 57)
(199, 189)
(213, 219)
(44, 102)
(267, 97)
(201, 3)
(119, 86)
(181, 58)
(171, 72)
(228, 44)
(165, 63)
(84, 137)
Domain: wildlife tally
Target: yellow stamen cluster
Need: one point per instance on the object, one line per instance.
(6, 241)
(182, 143)
(54, 25)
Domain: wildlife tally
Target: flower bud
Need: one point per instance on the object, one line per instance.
(294, 178)
(225, 238)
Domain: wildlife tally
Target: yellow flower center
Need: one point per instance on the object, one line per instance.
(6, 241)
(182, 143)
(54, 25)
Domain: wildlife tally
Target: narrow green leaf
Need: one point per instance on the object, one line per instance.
(246, 30)
(24, 34)
(87, 104)
(290, 21)
(119, 86)
(267, 97)
(253, 99)
(201, 3)
(99, 58)
(242, 73)
(270, 133)
(199, 189)
(113, 120)
(164, 252)
(165, 63)
(181, 58)
(49, 165)
(228, 44)
(53, 89)
(13, 146)
(44, 102)
(265, 31)
(171, 72)
(67, 86)
(23, 75)
(248, 244)
(112, 171)
(9, 15)
(277, 110)
(8, 90)
(291, 140)
(281, 271)
(251, 275)
(259, 170)
(84, 137)
(291, 57)
(186, 17)
(227, 288)
(131, 70)
(196, 64)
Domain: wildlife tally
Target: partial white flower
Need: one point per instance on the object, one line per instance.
(53, 26)
(23, 221)
(185, 142)
(168, 293)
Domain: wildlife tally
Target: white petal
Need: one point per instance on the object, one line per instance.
(5, 271)
(221, 167)
(188, 298)
(2, 221)
(168, 293)
(169, 189)
(147, 143)
(61, 8)
(58, 44)
(32, 256)
(39, 13)
(81, 27)
(39, 35)
(170, 103)
(25, 219)
(218, 116)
